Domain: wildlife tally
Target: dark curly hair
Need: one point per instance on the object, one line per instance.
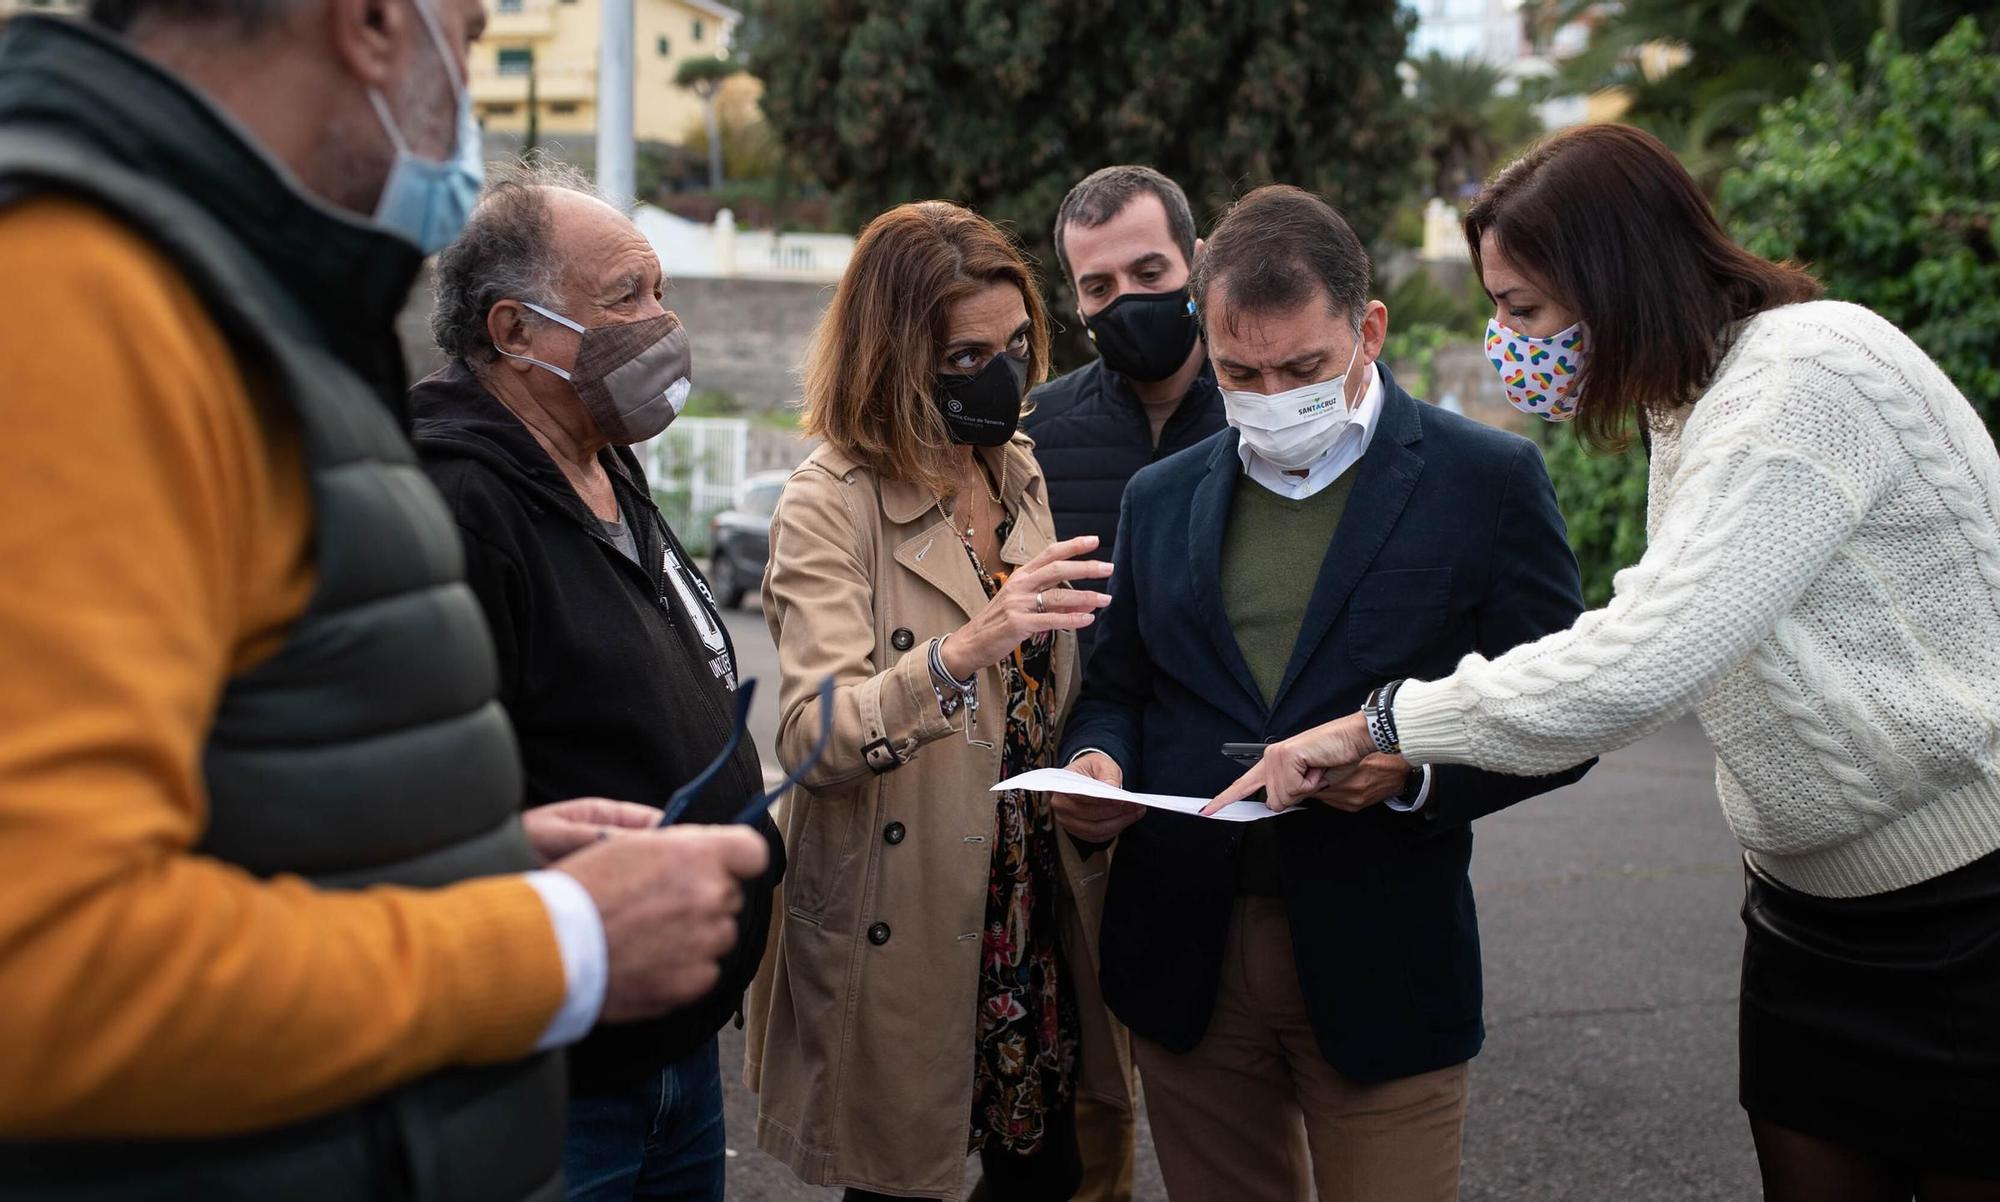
(506, 252)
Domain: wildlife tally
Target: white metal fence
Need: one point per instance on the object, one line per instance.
(694, 469)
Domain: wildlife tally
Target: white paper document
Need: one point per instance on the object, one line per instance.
(1062, 780)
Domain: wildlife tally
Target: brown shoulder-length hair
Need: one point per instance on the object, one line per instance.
(1608, 222)
(871, 369)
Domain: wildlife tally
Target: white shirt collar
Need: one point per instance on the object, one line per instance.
(1345, 452)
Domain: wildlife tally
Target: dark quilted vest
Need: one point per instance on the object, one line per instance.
(369, 749)
(1092, 436)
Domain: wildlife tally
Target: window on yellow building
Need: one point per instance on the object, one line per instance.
(697, 29)
(508, 6)
(666, 47)
(517, 60)
(563, 108)
(502, 110)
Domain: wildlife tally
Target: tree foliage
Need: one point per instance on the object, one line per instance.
(1468, 124)
(704, 76)
(1603, 499)
(1739, 56)
(1004, 104)
(1883, 182)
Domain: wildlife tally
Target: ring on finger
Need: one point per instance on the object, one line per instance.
(1039, 606)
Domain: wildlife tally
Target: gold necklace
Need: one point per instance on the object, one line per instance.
(994, 496)
(971, 527)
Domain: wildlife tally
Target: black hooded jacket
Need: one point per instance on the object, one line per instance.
(616, 689)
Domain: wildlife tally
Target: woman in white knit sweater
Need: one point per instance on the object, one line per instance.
(1821, 586)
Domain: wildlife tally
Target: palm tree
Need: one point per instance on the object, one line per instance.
(704, 77)
(1468, 124)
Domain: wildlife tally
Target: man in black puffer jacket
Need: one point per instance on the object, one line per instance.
(1125, 238)
(614, 663)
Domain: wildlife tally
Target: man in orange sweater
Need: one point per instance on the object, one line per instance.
(269, 924)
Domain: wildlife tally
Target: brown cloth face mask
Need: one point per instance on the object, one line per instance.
(632, 377)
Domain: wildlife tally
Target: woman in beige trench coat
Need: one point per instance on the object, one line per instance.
(930, 989)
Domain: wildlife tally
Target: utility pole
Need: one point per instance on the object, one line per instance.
(534, 138)
(615, 176)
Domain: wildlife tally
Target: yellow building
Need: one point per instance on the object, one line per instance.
(553, 43)
(8, 7)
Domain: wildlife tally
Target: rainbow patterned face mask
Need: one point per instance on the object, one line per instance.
(1538, 373)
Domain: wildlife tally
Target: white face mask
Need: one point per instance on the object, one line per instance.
(1290, 430)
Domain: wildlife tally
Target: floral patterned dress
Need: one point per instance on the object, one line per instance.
(1024, 1064)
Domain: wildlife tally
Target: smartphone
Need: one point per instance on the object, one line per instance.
(1244, 753)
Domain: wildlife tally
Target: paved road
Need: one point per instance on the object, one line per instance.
(1608, 913)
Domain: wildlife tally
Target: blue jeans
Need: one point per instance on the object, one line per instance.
(661, 1140)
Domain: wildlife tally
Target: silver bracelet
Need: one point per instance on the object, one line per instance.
(952, 693)
(1380, 715)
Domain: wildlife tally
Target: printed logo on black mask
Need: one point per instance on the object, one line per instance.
(983, 409)
(1145, 336)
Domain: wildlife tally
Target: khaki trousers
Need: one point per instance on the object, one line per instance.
(1107, 1137)
(1255, 1114)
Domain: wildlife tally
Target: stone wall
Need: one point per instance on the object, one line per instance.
(414, 327)
(1462, 372)
(749, 335)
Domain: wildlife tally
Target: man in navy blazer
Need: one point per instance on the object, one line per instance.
(1304, 990)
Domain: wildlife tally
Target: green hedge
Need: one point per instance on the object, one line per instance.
(1603, 498)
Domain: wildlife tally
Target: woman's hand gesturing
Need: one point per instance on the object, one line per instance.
(1307, 763)
(1033, 600)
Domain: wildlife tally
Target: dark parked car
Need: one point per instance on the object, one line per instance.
(741, 538)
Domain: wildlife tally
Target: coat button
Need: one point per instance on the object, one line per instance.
(878, 934)
(892, 834)
(902, 639)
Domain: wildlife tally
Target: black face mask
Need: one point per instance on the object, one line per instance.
(982, 410)
(1145, 336)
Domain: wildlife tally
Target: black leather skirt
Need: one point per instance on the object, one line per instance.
(1875, 1021)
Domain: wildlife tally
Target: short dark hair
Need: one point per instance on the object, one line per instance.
(1609, 222)
(1278, 248)
(246, 17)
(506, 252)
(1104, 193)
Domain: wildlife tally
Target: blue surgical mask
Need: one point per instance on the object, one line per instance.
(424, 201)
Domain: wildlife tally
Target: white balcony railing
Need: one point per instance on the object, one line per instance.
(521, 19)
(554, 82)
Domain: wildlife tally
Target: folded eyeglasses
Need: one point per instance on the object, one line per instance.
(683, 797)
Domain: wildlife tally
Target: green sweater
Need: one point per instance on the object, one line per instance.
(1271, 558)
